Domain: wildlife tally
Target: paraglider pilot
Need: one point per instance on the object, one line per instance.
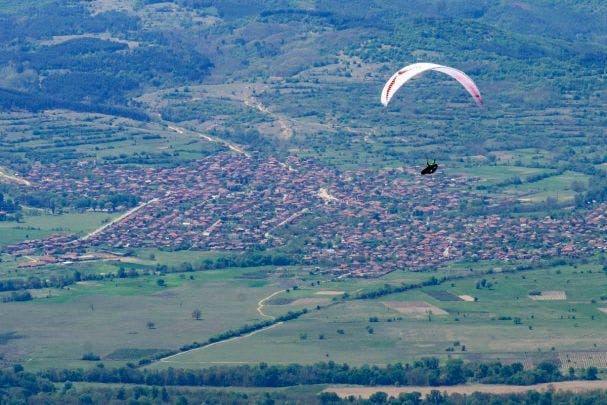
(430, 168)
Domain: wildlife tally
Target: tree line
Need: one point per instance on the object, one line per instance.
(53, 281)
(64, 280)
(165, 386)
(435, 397)
(424, 372)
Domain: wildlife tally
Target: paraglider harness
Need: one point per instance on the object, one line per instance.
(430, 168)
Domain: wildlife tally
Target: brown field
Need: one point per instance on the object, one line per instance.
(329, 292)
(44, 292)
(574, 386)
(89, 283)
(417, 308)
(550, 296)
(583, 359)
(310, 301)
(467, 298)
(603, 310)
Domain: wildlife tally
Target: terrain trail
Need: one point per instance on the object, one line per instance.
(262, 301)
(120, 218)
(285, 127)
(14, 179)
(230, 145)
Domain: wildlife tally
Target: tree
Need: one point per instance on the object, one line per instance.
(591, 373)
(121, 394)
(329, 398)
(379, 398)
(150, 325)
(454, 372)
(434, 397)
(90, 357)
(197, 314)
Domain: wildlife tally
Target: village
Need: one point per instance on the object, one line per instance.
(359, 223)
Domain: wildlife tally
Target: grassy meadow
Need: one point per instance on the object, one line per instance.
(110, 317)
(40, 226)
(503, 323)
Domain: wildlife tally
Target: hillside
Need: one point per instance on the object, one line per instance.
(231, 159)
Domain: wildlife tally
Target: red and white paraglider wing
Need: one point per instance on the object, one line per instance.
(401, 77)
(464, 80)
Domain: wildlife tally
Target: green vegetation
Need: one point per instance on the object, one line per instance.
(108, 315)
(41, 225)
(503, 323)
(97, 96)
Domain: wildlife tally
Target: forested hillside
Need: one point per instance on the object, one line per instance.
(304, 58)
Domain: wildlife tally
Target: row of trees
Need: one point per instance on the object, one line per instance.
(425, 372)
(52, 281)
(392, 289)
(56, 202)
(16, 296)
(435, 397)
(63, 280)
(20, 386)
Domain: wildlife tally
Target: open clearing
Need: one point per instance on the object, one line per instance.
(325, 292)
(40, 226)
(311, 301)
(502, 325)
(104, 316)
(550, 296)
(415, 308)
(575, 386)
(583, 359)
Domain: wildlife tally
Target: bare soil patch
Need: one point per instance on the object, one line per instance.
(323, 194)
(467, 298)
(312, 301)
(45, 293)
(329, 292)
(166, 294)
(416, 308)
(552, 295)
(583, 359)
(574, 386)
(89, 283)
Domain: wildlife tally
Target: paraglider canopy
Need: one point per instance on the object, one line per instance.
(405, 74)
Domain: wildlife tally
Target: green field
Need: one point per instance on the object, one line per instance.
(110, 317)
(105, 316)
(40, 226)
(123, 85)
(504, 323)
